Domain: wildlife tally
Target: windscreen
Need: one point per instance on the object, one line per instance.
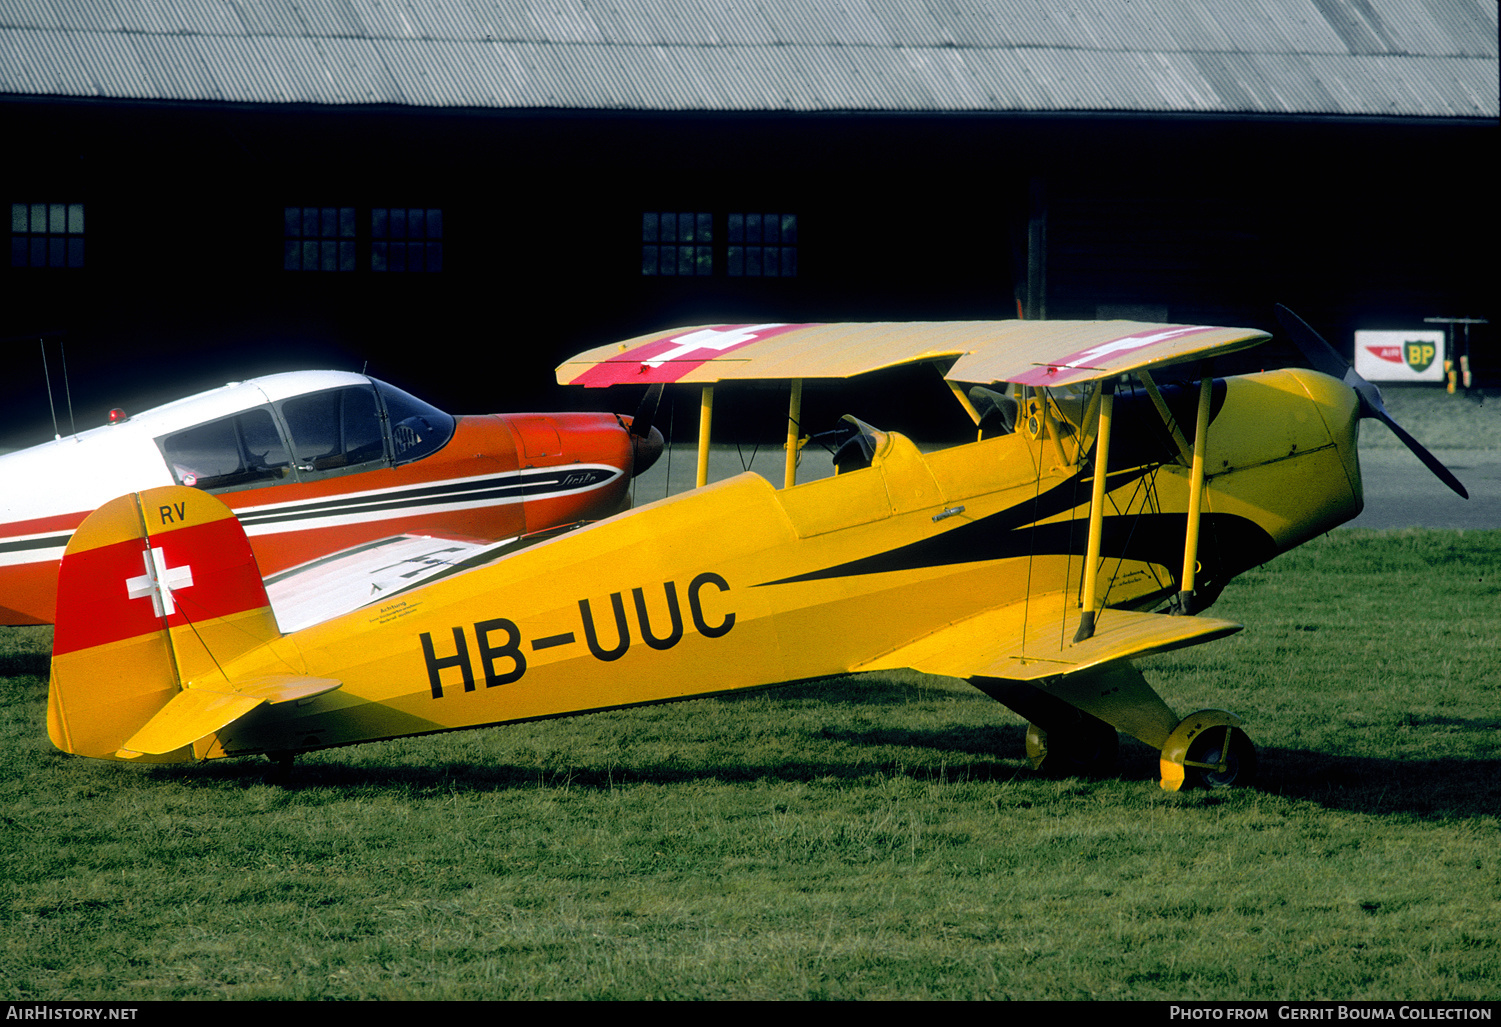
(417, 428)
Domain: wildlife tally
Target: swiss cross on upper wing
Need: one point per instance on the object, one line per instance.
(1086, 363)
(670, 357)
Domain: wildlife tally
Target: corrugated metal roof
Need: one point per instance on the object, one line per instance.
(1411, 58)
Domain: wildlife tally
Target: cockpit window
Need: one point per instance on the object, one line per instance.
(417, 428)
(329, 433)
(334, 429)
(230, 453)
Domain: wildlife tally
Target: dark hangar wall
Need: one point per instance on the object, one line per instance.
(184, 285)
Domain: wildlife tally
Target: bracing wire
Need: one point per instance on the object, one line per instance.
(62, 352)
(667, 480)
(48, 375)
(744, 466)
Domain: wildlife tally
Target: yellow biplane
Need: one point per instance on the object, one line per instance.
(1089, 524)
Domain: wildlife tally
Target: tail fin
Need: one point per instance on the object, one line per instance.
(157, 591)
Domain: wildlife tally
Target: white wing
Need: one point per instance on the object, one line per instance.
(336, 584)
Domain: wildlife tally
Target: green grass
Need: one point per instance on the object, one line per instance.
(877, 836)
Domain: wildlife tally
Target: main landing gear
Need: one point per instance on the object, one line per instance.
(1074, 720)
(1209, 754)
(1208, 749)
(1084, 748)
(280, 772)
(1204, 752)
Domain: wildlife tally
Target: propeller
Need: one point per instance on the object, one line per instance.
(646, 440)
(1326, 360)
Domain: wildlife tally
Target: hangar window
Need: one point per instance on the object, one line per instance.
(318, 239)
(761, 245)
(46, 235)
(677, 244)
(406, 239)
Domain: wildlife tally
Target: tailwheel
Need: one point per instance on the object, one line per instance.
(1219, 758)
(1084, 748)
(281, 771)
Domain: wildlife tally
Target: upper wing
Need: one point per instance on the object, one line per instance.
(1038, 353)
(1032, 640)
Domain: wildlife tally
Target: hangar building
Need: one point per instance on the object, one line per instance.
(462, 192)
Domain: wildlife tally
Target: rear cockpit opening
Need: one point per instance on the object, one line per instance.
(851, 443)
(996, 410)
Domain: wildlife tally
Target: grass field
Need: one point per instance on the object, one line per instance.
(867, 837)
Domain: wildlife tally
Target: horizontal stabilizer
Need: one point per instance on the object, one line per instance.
(1031, 641)
(196, 712)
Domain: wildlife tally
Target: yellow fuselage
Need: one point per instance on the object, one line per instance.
(738, 585)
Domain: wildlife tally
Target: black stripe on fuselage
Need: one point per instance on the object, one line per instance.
(28, 544)
(526, 485)
(1236, 542)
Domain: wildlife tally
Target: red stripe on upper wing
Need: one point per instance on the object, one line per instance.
(670, 357)
(94, 605)
(1085, 364)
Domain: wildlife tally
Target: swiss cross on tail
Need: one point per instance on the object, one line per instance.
(669, 357)
(159, 581)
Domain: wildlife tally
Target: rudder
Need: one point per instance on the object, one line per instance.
(156, 591)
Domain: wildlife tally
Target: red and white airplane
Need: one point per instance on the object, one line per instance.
(315, 462)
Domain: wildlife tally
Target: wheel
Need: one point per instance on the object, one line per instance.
(1084, 748)
(281, 769)
(1211, 764)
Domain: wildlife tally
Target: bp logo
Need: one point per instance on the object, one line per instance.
(1418, 354)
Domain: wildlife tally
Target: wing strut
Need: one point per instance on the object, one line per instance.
(1195, 496)
(1096, 510)
(969, 408)
(705, 415)
(1051, 424)
(794, 427)
(1167, 416)
(1091, 415)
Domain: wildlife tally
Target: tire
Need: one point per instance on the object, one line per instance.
(1085, 748)
(1240, 763)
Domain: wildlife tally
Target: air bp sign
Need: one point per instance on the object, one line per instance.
(1415, 356)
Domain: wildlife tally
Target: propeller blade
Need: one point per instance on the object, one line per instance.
(646, 440)
(646, 412)
(1326, 359)
(1429, 460)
